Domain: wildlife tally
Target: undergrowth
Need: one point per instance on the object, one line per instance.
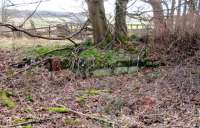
(6, 100)
(102, 58)
(41, 51)
(58, 109)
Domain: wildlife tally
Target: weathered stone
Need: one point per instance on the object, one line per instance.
(102, 72)
(132, 69)
(120, 70)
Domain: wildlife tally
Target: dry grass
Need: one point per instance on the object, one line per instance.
(25, 42)
(179, 41)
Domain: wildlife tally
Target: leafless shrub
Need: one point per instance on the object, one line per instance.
(179, 43)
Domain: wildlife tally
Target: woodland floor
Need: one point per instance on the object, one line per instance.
(165, 97)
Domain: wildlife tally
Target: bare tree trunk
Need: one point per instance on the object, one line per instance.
(159, 21)
(173, 8)
(98, 19)
(192, 7)
(179, 8)
(199, 8)
(185, 13)
(166, 4)
(178, 18)
(185, 8)
(120, 21)
(3, 11)
(172, 14)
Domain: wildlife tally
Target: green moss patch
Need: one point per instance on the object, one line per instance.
(6, 100)
(94, 91)
(28, 126)
(28, 110)
(20, 120)
(82, 96)
(102, 58)
(58, 110)
(72, 122)
(81, 99)
(30, 98)
(42, 51)
(153, 75)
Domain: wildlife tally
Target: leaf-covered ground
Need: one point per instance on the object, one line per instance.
(166, 97)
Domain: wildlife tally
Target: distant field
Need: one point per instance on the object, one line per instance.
(24, 48)
(46, 21)
(41, 22)
(26, 43)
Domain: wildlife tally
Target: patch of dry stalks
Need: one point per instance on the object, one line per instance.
(180, 41)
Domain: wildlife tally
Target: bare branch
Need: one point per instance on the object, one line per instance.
(24, 4)
(31, 14)
(14, 28)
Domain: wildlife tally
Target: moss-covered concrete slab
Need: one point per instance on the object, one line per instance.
(120, 70)
(132, 69)
(102, 72)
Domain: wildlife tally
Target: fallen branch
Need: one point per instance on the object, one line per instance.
(55, 50)
(32, 122)
(27, 68)
(108, 121)
(90, 116)
(36, 121)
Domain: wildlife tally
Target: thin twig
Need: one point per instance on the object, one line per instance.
(14, 28)
(31, 14)
(27, 68)
(36, 121)
(90, 116)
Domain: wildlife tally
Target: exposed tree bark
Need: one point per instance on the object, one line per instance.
(3, 11)
(192, 7)
(166, 4)
(179, 8)
(173, 8)
(185, 8)
(199, 8)
(172, 14)
(178, 18)
(98, 19)
(120, 20)
(158, 19)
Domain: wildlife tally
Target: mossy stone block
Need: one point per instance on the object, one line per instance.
(120, 70)
(132, 70)
(58, 109)
(102, 72)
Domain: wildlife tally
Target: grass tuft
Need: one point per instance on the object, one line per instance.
(58, 110)
(6, 100)
(72, 122)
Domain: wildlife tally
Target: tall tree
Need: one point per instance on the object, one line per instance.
(98, 19)
(173, 8)
(173, 4)
(178, 18)
(120, 20)
(158, 16)
(185, 8)
(3, 11)
(192, 6)
(179, 8)
(199, 7)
